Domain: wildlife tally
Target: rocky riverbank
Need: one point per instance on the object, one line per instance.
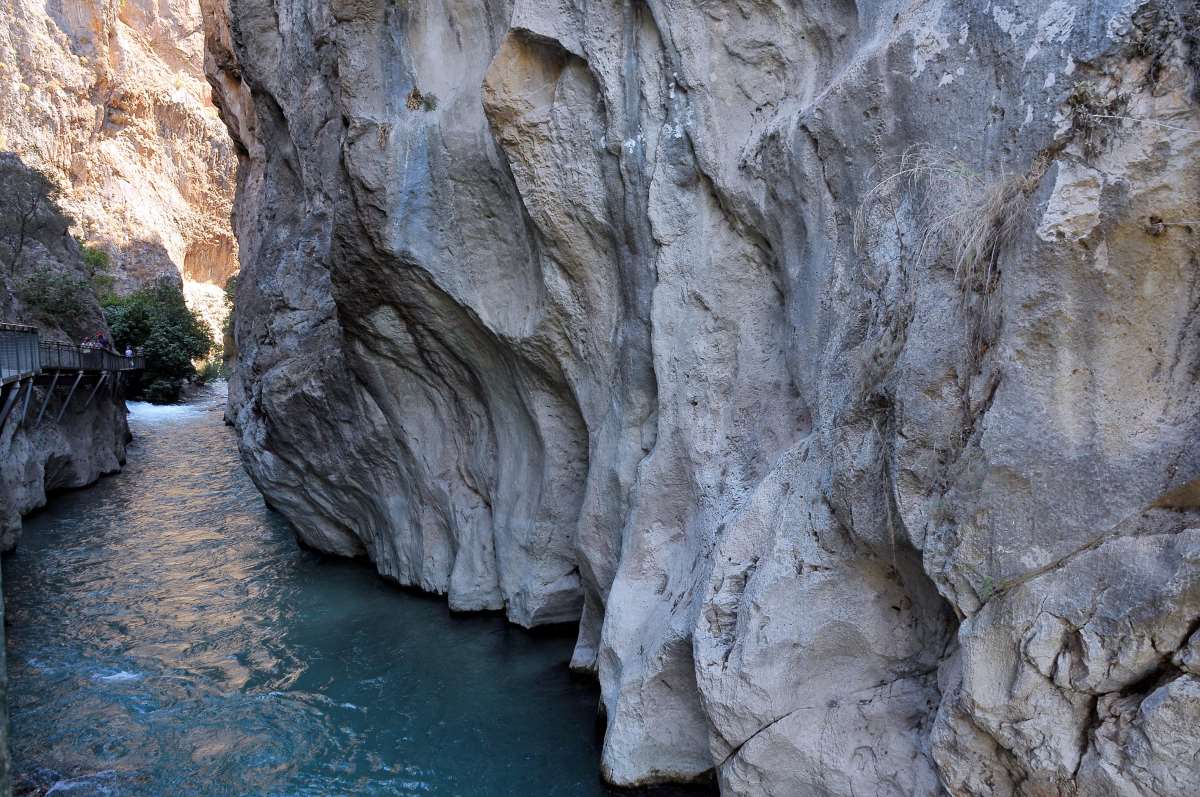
(85, 445)
(40, 459)
(834, 364)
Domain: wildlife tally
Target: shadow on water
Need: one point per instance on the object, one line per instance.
(169, 637)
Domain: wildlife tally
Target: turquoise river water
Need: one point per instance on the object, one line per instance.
(167, 636)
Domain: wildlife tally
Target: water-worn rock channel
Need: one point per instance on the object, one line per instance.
(168, 636)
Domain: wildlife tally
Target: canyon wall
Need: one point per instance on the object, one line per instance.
(108, 97)
(43, 446)
(833, 364)
(39, 459)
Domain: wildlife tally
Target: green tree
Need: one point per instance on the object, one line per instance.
(172, 337)
(29, 205)
(98, 266)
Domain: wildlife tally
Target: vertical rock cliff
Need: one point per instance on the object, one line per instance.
(108, 97)
(833, 364)
(44, 283)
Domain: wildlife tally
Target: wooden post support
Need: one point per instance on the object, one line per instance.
(9, 402)
(49, 393)
(63, 409)
(28, 401)
(103, 378)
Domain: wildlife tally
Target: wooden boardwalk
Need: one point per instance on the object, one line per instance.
(26, 360)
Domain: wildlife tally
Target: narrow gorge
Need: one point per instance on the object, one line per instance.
(832, 367)
(108, 98)
(115, 172)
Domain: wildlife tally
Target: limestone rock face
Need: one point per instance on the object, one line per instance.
(108, 98)
(88, 443)
(89, 439)
(833, 364)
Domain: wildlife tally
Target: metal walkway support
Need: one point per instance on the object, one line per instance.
(25, 357)
(63, 409)
(10, 401)
(25, 406)
(46, 401)
(103, 378)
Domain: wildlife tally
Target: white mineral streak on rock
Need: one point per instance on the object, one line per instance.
(835, 520)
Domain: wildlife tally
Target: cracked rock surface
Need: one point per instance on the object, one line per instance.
(835, 365)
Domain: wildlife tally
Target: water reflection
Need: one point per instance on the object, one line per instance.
(168, 637)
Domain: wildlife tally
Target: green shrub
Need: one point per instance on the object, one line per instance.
(171, 336)
(95, 259)
(56, 297)
(98, 266)
(213, 368)
(102, 286)
(162, 391)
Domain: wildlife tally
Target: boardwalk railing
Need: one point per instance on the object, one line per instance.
(64, 357)
(25, 359)
(18, 352)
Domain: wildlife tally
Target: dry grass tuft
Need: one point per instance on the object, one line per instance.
(953, 206)
(982, 235)
(961, 218)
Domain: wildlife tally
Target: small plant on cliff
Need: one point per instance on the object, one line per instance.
(94, 258)
(994, 220)
(1160, 32)
(172, 337)
(1095, 118)
(98, 265)
(930, 202)
(924, 209)
(417, 101)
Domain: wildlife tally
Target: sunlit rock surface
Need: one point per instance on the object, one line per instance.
(108, 97)
(836, 364)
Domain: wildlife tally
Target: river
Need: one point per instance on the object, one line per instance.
(167, 636)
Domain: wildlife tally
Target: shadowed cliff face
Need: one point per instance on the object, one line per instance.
(830, 361)
(44, 283)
